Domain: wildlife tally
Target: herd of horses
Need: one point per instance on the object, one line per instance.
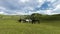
(29, 21)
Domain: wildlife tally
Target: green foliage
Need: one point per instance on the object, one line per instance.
(35, 16)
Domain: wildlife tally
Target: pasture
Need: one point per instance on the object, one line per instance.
(10, 25)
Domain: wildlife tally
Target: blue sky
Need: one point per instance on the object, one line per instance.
(26, 7)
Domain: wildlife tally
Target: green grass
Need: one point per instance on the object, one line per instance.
(14, 27)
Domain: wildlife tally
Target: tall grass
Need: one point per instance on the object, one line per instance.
(12, 26)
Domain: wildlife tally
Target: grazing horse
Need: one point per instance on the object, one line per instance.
(34, 21)
(25, 20)
(21, 20)
(29, 20)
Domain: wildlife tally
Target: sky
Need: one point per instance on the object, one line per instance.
(27, 7)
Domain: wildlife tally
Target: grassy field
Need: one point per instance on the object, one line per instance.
(12, 26)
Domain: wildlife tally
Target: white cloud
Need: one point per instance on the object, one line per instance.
(57, 7)
(49, 12)
(41, 1)
(21, 13)
(23, 1)
(2, 8)
(34, 12)
(54, 11)
(31, 8)
(51, 1)
(27, 6)
(1, 12)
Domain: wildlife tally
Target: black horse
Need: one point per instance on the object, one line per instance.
(35, 21)
(22, 20)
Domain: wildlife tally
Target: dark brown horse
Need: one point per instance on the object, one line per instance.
(35, 21)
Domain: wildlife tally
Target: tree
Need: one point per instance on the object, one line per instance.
(35, 17)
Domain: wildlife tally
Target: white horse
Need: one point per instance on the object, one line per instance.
(28, 20)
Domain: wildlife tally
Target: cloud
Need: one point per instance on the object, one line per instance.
(56, 10)
(24, 1)
(24, 7)
(57, 7)
(2, 9)
(51, 1)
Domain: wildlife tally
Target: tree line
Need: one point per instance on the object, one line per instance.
(36, 17)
